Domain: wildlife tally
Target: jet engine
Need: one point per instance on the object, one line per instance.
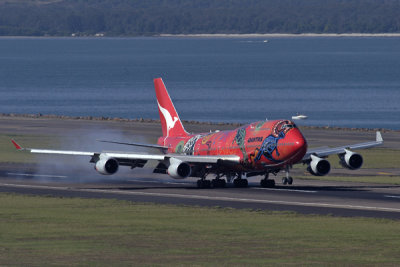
(179, 169)
(107, 166)
(351, 160)
(318, 166)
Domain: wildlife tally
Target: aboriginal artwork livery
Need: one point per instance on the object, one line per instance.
(258, 145)
(270, 143)
(239, 138)
(179, 147)
(188, 149)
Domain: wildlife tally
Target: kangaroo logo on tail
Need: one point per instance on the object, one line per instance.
(168, 118)
(170, 122)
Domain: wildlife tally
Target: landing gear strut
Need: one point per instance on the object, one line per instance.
(288, 179)
(239, 182)
(267, 183)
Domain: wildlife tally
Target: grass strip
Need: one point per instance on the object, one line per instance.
(382, 179)
(376, 158)
(9, 154)
(37, 231)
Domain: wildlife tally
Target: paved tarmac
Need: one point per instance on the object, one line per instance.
(305, 196)
(53, 177)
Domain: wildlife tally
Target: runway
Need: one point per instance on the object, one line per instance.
(306, 196)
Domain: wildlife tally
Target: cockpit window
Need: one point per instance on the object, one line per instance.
(282, 127)
(289, 126)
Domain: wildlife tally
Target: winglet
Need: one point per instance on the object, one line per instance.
(379, 137)
(18, 147)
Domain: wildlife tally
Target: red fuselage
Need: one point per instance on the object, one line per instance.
(260, 145)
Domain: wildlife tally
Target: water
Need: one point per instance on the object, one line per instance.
(349, 82)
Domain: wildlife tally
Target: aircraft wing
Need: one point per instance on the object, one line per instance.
(324, 152)
(126, 158)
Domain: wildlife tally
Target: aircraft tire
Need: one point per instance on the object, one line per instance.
(267, 183)
(284, 180)
(218, 183)
(240, 183)
(203, 183)
(290, 180)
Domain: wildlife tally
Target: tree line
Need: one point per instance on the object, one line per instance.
(153, 17)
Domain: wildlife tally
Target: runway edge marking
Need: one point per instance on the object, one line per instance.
(36, 175)
(390, 196)
(286, 190)
(280, 202)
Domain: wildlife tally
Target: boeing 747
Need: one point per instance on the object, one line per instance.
(257, 149)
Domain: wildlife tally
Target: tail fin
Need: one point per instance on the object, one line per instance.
(170, 122)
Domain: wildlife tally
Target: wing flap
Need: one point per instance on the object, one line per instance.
(135, 144)
(206, 159)
(133, 156)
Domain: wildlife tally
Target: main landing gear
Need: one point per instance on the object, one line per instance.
(203, 183)
(219, 182)
(288, 179)
(267, 183)
(240, 182)
(215, 183)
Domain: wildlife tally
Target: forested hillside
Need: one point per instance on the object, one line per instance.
(152, 17)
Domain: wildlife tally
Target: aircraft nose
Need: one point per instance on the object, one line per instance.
(299, 144)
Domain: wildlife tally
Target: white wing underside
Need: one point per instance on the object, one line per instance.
(143, 156)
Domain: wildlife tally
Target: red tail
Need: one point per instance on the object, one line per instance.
(170, 122)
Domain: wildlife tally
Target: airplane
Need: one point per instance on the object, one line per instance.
(257, 149)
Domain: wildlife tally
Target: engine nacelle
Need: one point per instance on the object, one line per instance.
(351, 160)
(318, 166)
(179, 169)
(107, 166)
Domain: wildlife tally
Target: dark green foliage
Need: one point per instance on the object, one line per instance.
(151, 17)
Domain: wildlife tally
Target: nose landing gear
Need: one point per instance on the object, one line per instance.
(288, 179)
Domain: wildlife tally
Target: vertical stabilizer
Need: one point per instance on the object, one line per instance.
(170, 122)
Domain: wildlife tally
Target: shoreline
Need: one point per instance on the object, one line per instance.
(222, 35)
(281, 35)
(147, 120)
